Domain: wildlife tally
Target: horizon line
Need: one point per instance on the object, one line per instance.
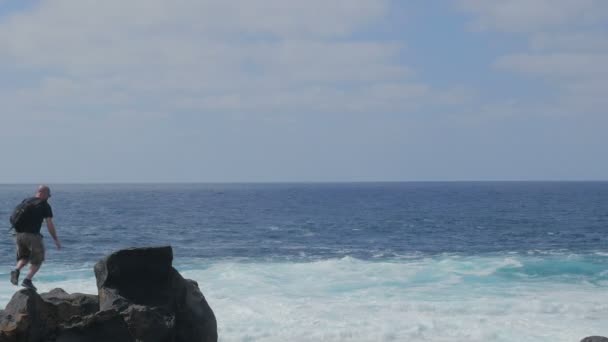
(312, 182)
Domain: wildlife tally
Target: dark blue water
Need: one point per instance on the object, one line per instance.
(321, 221)
(438, 262)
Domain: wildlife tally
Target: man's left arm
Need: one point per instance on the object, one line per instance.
(51, 227)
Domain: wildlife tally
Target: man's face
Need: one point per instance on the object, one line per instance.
(45, 194)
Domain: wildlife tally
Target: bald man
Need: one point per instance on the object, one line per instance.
(30, 248)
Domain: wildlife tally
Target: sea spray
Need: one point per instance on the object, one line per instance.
(435, 298)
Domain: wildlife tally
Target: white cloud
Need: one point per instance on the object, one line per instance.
(535, 15)
(570, 41)
(567, 46)
(207, 56)
(558, 65)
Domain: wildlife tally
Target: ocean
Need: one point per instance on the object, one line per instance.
(419, 261)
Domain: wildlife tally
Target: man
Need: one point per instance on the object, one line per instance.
(30, 248)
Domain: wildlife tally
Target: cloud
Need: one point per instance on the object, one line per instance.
(585, 41)
(535, 15)
(567, 45)
(201, 89)
(558, 65)
(206, 56)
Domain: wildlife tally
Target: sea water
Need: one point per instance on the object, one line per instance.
(458, 261)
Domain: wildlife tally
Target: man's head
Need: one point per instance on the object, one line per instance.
(44, 192)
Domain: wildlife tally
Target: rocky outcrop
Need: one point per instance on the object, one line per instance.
(142, 284)
(102, 326)
(595, 339)
(141, 297)
(32, 317)
(136, 276)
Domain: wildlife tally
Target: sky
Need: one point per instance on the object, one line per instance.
(303, 91)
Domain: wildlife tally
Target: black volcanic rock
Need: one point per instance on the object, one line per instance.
(33, 317)
(65, 306)
(25, 318)
(195, 320)
(139, 275)
(102, 326)
(141, 297)
(595, 339)
(142, 282)
(150, 323)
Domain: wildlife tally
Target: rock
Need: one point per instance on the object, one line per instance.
(27, 318)
(109, 299)
(65, 305)
(150, 324)
(33, 317)
(141, 297)
(195, 319)
(102, 326)
(145, 277)
(595, 339)
(8, 328)
(139, 275)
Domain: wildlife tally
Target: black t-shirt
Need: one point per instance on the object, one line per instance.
(33, 221)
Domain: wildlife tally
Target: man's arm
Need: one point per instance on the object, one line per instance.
(51, 228)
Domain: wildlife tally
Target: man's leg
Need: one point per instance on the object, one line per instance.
(15, 273)
(23, 257)
(36, 259)
(27, 282)
(32, 272)
(20, 264)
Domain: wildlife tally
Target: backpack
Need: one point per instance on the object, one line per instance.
(22, 212)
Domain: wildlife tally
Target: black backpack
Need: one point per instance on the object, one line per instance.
(22, 212)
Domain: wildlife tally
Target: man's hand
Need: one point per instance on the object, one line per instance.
(58, 244)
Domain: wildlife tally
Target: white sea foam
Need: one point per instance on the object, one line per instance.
(448, 298)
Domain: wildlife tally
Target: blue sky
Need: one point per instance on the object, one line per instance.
(271, 91)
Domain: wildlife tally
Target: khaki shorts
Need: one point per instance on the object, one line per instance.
(30, 247)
